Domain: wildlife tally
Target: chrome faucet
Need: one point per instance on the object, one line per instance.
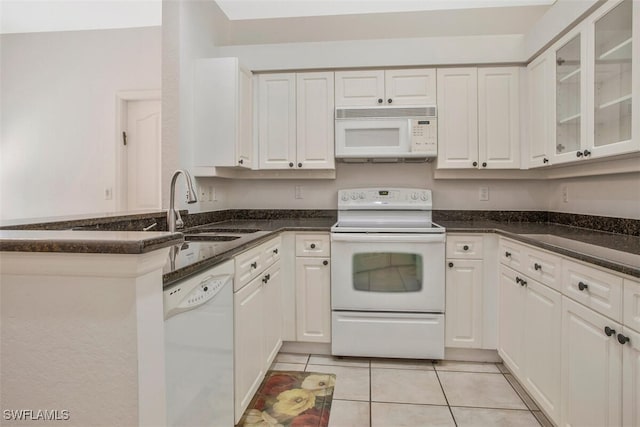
(172, 222)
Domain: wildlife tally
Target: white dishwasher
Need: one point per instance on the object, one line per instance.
(198, 314)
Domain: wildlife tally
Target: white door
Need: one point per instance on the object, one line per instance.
(463, 312)
(143, 155)
(457, 118)
(410, 87)
(315, 111)
(631, 379)
(272, 323)
(499, 117)
(313, 300)
(354, 88)
(511, 320)
(277, 121)
(541, 109)
(591, 368)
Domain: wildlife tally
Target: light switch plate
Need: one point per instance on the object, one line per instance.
(484, 194)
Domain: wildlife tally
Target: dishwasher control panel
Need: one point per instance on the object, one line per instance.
(193, 293)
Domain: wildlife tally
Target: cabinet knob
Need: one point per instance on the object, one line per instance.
(484, 164)
(450, 265)
(389, 100)
(264, 279)
(325, 262)
(299, 165)
(609, 331)
(582, 286)
(507, 254)
(290, 164)
(275, 251)
(537, 266)
(586, 153)
(518, 280)
(545, 160)
(313, 246)
(622, 339)
(380, 101)
(254, 265)
(475, 163)
(579, 154)
(523, 282)
(241, 161)
(465, 247)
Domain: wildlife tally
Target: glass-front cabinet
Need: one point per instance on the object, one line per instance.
(597, 80)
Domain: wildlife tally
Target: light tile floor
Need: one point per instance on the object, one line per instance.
(396, 393)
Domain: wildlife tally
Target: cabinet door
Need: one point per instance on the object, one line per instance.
(273, 319)
(511, 321)
(245, 121)
(248, 344)
(457, 118)
(615, 75)
(313, 299)
(355, 88)
(277, 121)
(410, 87)
(315, 112)
(499, 117)
(631, 379)
(539, 74)
(542, 327)
(463, 310)
(591, 368)
(570, 90)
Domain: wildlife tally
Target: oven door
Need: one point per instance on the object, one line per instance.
(388, 272)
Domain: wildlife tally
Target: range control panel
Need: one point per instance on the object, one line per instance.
(387, 198)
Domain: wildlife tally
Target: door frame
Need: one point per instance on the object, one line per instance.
(122, 98)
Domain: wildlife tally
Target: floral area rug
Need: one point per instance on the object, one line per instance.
(291, 399)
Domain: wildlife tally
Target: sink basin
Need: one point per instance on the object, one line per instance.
(224, 230)
(209, 237)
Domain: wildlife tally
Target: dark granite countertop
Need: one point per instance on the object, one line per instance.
(99, 242)
(618, 252)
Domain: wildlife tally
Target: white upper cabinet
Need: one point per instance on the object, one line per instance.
(390, 87)
(478, 118)
(540, 88)
(222, 114)
(295, 121)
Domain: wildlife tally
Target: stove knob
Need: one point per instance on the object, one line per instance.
(362, 195)
(414, 196)
(424, 197)
(354, 196)
(345, 197)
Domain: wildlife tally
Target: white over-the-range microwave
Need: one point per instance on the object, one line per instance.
(386, 133)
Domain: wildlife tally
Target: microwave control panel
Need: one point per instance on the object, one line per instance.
(424, 135)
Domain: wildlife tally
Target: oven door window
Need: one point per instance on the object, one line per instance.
(387, 272)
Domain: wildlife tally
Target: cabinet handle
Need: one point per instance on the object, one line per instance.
(507, 254)
(545, 160)
(450, 265)
(254, 265)
(380, 101)
(586, 153)
(518, 280)
(275, 251)
(609, 331)
(290, 164)
(475, 163)
(465, 247)
(484, 164)
(389, 100)
(313, 246)
(579, 154)
(582, 286)
(241, 161)
(325, 262)
(537, 266)
(622, 339)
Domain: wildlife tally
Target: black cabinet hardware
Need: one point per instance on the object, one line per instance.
(450, 265)
(313, 246)
(507, 254)
(622, 339)
(523, 282)
(582, 286)
(290, 164)
(299, 165)
(518, 280)
(325, 262)
(465, 247)
(484, 164)
(545, 160)
(586, 153)
(264, 279)
(254, 265)
(475, 163)
(379, 100)
(275, 251)
(609, 331)
(537, 266)
(389, 100)
(579, 154)
(241, 161)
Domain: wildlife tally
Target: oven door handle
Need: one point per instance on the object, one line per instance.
(388, 238)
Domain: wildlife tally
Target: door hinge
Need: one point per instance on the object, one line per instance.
(124, 137)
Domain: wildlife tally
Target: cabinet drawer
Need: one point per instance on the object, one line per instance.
(511, 254)
(248, 265)
(594, 288)
(544, 267)
(631, 309)
(313, 245)
(464, 246)
(271, 251)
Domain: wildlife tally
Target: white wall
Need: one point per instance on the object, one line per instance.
(58, 127)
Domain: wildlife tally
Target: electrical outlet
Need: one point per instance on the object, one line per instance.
(212, 193)
(108, 193)
(565, 194)
(484, 194)
(202, 193)
(298, 192)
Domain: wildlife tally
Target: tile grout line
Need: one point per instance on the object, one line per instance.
(523, 401)
(445, 395)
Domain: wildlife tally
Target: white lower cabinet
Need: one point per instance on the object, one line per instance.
(272, 312)
(464, 303)
(631, 378)
(591, 368)
(313, 299)
(530, 336)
